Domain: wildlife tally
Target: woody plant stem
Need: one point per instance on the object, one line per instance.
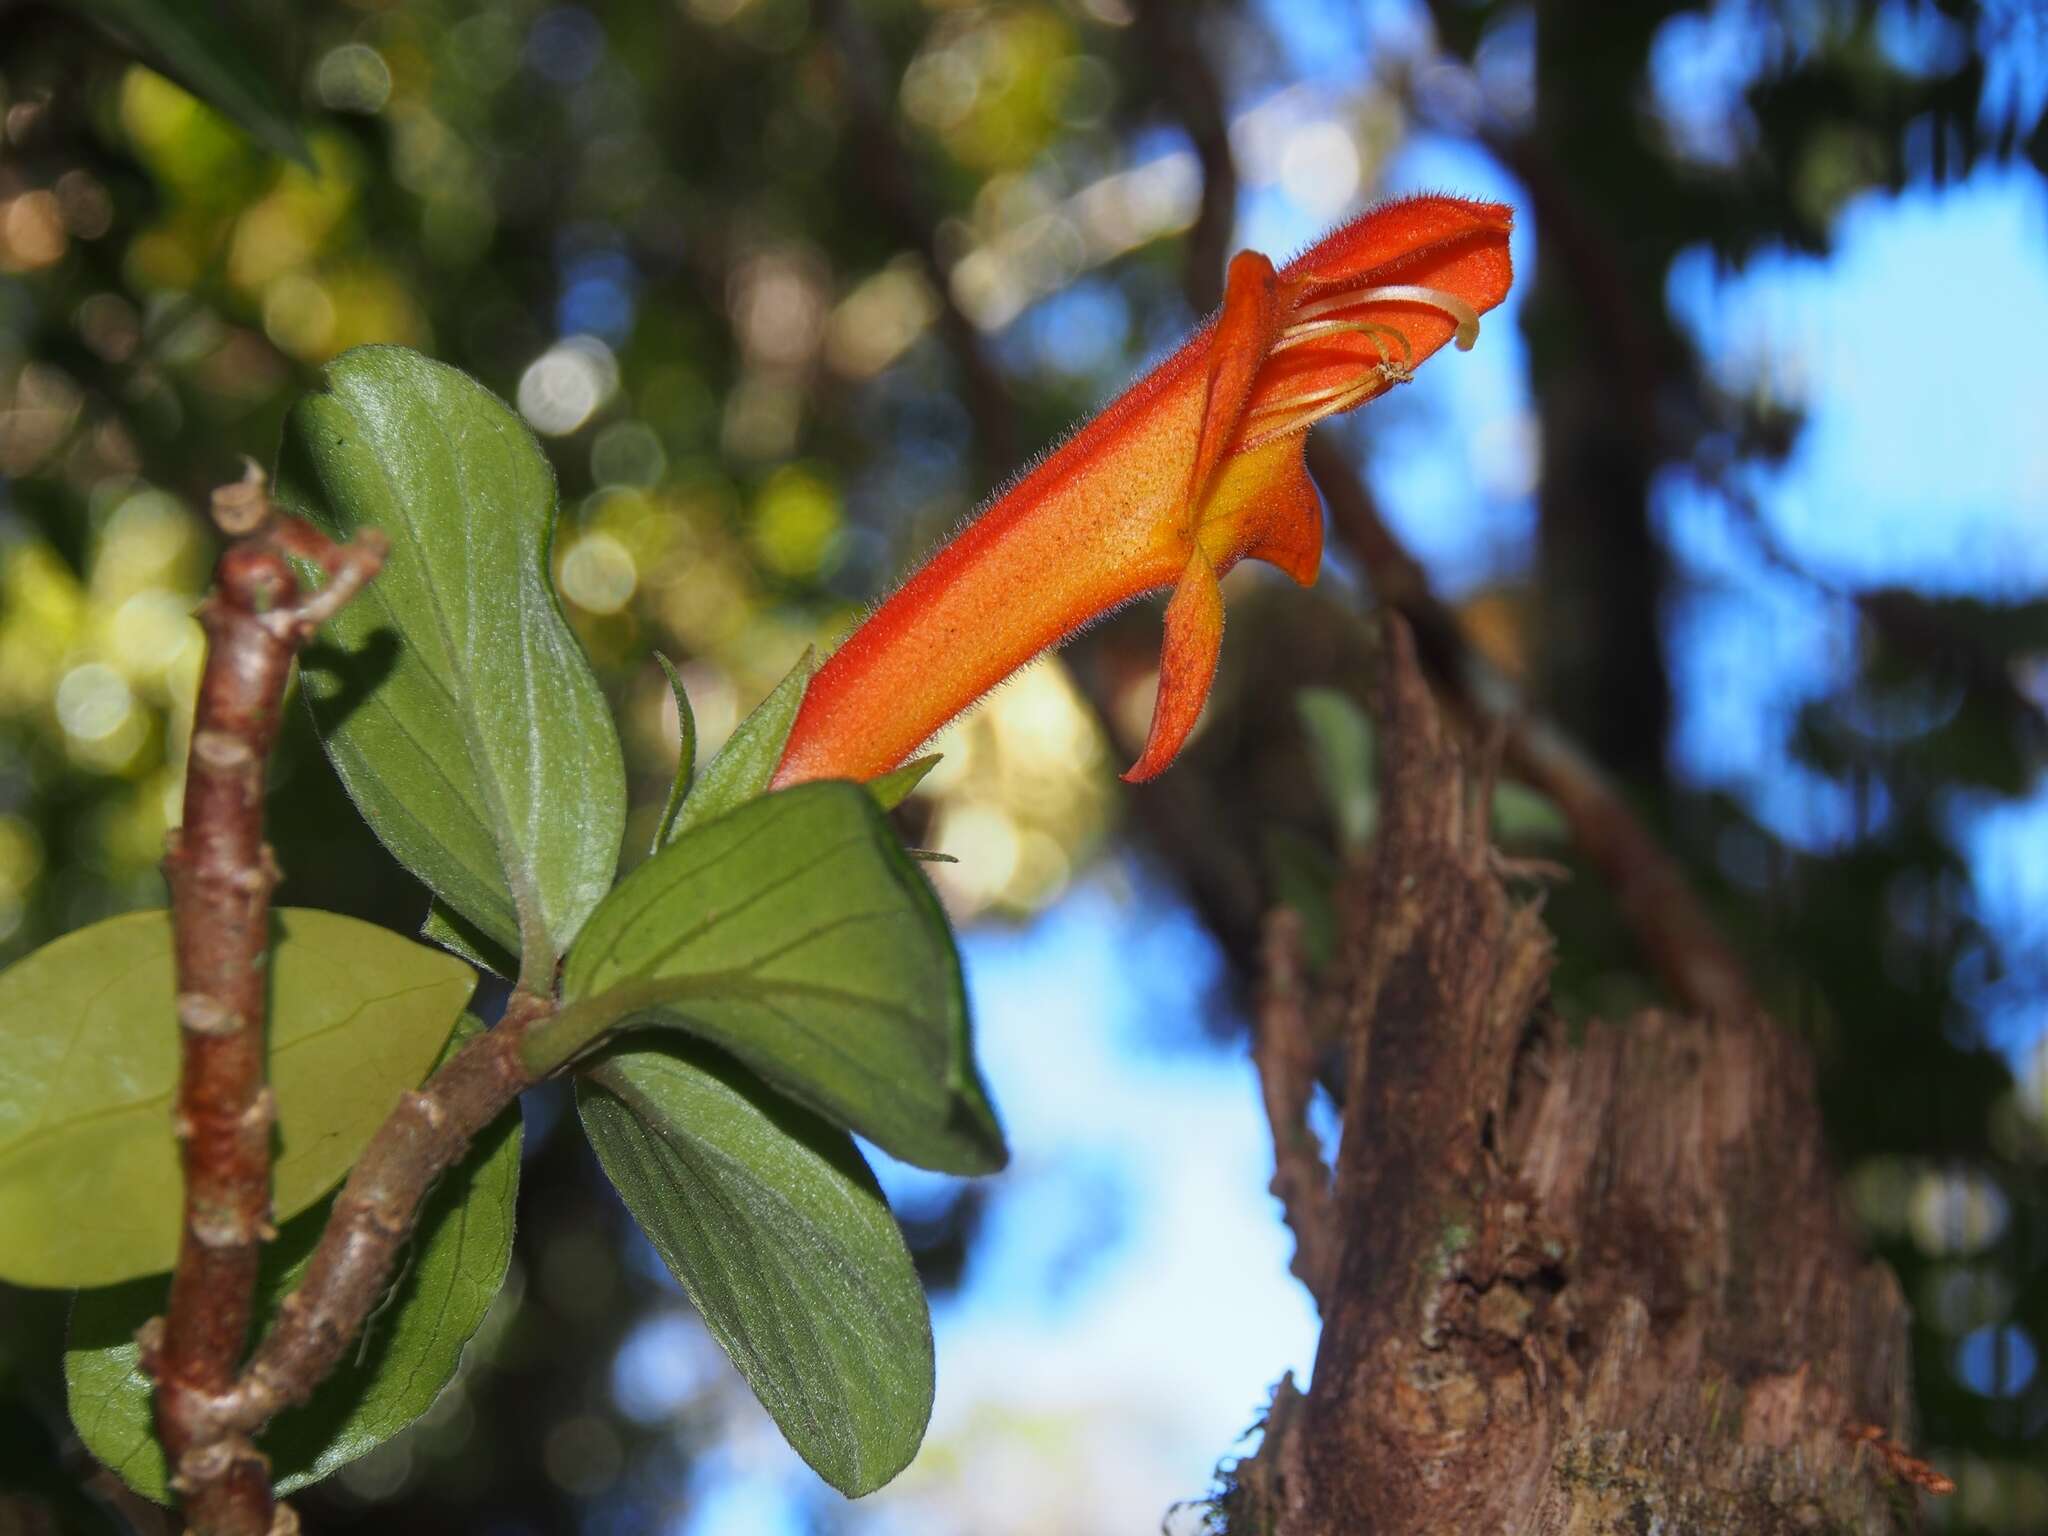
(221, 874)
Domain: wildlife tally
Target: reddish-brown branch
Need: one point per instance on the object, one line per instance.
(1284, 1050)
(221, 873)
(1166, 29)
(375, 1214)
(1671, 926)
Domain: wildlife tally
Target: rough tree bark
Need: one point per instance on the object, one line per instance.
(1577, 1281)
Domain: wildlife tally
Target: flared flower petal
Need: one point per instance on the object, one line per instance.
(1199, 465)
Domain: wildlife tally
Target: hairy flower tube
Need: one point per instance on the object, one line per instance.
(1197, 466)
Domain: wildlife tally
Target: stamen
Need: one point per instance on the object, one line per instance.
(1276, 418)
(1304, 411)
(1464, 314)
(1297, 402)
(1314, 330)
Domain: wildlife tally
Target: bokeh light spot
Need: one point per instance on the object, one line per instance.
(353, 78)
(564, 387)
(31, 231)
(662, 1364)
(599, 574)
(628, 453)
(1957, 1213)
(796, 523)
(1998, 1361)
(565, 45)
(298, 315)
(582, 1455)
(93, 702)
(1319, 168)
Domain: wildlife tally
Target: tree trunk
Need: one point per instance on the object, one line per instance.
(1600, 358)
(1579, 1280)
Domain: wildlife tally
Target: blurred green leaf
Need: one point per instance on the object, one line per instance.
(1521, 815)
(1340, 742)
(748, 759)
(194, 43)
(1303, 875)
(86, 1081)
(457, 706)
(796, 934)
(454, 1268)
(686, 754)
(777, 1230)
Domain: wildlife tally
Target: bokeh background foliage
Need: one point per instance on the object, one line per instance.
(1744, 486)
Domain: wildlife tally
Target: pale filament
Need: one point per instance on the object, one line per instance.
(1305, 410)
(1313, 323)
(1314, 330)
(1309, 399)
(1464, 314)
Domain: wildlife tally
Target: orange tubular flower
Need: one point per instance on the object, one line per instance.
(1195, 468)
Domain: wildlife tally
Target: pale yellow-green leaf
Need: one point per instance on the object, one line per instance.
(89, 1183)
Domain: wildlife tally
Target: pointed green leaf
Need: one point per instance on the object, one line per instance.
(445, 926)
(796, 934)
(775, 1227)
(195, 44)
(89, 1184)
(686, 755)
(1340, 742)
(450, 1274)
(892, 789)
(750, 756)
(457, 706)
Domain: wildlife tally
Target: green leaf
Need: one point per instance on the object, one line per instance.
(457, 707)
(796, 934)
(776, 1229)
(1303, 875)
(1340, 742)
(451, 1273)
(892, 789)
(750, 756)
(445, 926)
(90, 1191)
(1521, 815)
(686, 756)
(195, 44)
